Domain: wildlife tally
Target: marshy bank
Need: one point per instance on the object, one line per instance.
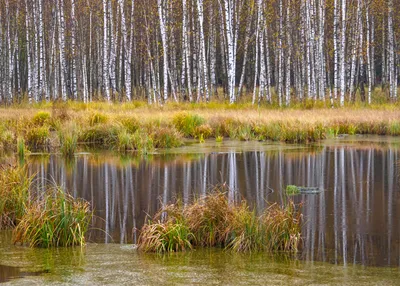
(63, 127)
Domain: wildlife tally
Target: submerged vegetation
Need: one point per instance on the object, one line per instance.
(214, 221)
(49, 219)
(292, 190)
(129, 127)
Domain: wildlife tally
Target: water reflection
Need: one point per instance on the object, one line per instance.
(355, 220)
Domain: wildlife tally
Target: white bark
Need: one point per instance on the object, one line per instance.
(42, 59)
(106, 63)
(127, 53)
(369, 61)
(203, 49)
(392, 62)
(229, 28)
(161, 14)
(336, 49)
(61, 42)
(342, 55)
(28, 52)
(73, 50)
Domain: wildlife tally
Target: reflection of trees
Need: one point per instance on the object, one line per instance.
(352, 221)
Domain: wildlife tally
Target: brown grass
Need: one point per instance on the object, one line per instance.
(212, 221)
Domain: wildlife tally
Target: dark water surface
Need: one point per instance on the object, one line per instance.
(351, 232)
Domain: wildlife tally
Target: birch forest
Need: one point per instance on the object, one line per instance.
(270, 51)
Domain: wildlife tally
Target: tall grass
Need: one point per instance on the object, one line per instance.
(68, 141)
(55, 220)
(14, 194)
(115, 125)
(51, 219)
(213, 221)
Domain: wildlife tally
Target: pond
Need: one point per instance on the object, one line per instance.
(351, 231)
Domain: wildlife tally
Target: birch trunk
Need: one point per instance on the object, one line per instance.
(161, 14)
(342, 55)
(73, 51)
(61, 42)
(106, 63)
(203, 49)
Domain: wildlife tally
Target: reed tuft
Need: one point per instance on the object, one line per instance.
(213, 221)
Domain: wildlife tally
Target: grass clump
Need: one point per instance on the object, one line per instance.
(14, 194)
(68, 141)
(21, 148)
(292, 190)
(188, 123)
(213, 221)
(99, 134)
(38, 136)
(55, 220)
(124, 141)
(166, 137)
(41, 118)
(97, 118)
(142, 142)
(171, 236)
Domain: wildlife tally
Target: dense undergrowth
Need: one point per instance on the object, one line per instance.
(135, 126)
(213, 221)
(49, 219)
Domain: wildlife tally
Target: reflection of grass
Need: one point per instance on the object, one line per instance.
(212, 221)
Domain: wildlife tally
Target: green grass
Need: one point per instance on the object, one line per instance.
(187, 123)
(55, 220)
(21, 148)
(49, 220)
(41, 118)
(38, 137)
(292, 190)
(14, 194)
(212, 221)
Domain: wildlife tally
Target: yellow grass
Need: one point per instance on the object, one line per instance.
(136, 125)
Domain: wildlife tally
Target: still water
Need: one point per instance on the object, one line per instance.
(351, 232)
